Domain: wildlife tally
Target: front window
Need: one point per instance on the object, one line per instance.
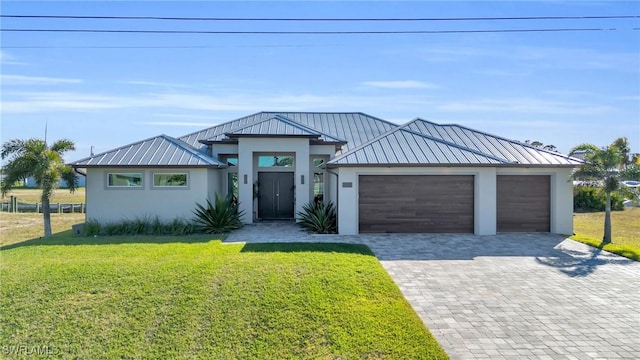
(275, 161)
(318, 179)
(318, 187)
(170, 180)
(232, 184)
(128, 180)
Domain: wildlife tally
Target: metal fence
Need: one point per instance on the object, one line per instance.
(13, 206)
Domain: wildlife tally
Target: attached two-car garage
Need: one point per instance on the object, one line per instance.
(415, 204)
(445, 203)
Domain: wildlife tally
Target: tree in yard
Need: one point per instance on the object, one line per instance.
(539, 144)
(34, 158)
(623, 146)
(601, 165)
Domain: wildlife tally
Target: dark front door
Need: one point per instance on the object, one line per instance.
(275, 195)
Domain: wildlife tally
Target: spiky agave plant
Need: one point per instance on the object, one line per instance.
(221, 217)
(319, 218)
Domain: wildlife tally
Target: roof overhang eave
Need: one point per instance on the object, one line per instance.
(500, 165)
(85, 166)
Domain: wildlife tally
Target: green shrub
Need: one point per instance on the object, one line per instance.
(139, 226)
(319, 218)
(221, 218)
(587, 198)
(91, 227)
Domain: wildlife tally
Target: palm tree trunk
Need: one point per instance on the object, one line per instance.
(46, 214)
(607, 219)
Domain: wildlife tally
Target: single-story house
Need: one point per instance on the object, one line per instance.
(417, 177)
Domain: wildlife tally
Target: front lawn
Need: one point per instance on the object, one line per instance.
(625, 225)
(193, 297)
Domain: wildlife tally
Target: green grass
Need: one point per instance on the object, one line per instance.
(18, 227)
(32, 196)
(193, 297)
(589, 229)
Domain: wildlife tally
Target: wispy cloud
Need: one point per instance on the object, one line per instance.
(176, 123)
(504, 73)
(525, 105)
(35, 80)
(175, 105)
(187, 116)
(533, 57)
(400, 84)
(156, 84)
(8, 59)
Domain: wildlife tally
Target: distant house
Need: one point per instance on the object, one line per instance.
(30, 182)
(417, 177)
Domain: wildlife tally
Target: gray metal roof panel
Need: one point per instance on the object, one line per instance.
(391, 149)
(161, 150)
(355, 128)
(509, 150)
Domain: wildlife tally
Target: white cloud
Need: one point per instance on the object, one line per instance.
(35, 80)
(400, 84)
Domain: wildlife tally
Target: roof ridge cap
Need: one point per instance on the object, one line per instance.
(509, 140)
(442, 141)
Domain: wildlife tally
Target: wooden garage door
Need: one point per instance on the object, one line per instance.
(523, 203)
(415, 204)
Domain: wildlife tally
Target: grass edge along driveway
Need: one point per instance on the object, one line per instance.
(147, 297)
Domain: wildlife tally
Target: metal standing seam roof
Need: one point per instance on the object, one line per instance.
(275, 126)
(511, 151)
(421, 142)
(161, 150)
(355, 128)
(402, 146)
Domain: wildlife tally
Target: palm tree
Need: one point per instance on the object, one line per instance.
(601, 164)
(622, 144)
(34, 158)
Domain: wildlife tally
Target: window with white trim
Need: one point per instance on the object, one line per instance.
(124, 180)
(171, 180)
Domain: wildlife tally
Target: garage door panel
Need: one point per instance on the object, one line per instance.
(416, 203)
(523, 203)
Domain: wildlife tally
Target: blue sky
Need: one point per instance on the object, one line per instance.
(107, 90)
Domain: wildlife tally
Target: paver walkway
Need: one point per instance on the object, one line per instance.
(509, 296)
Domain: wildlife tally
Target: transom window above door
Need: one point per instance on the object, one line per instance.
(275, 161)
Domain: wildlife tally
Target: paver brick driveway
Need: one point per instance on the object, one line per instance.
(513, 296)
(517, 295)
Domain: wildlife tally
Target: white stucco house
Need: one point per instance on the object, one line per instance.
(383, 177)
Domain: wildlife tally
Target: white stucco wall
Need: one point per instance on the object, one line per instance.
(113, 204)
(247, 169)
(484, 194)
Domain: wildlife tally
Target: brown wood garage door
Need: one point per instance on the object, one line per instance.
(415, 204)
(523, 203)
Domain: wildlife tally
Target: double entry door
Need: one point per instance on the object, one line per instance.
(275, 195)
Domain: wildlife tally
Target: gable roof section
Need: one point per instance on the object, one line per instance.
(404, 147)
(161, 150)
(423, 143)
(513, 152)
(276, 125)
(355, 128)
